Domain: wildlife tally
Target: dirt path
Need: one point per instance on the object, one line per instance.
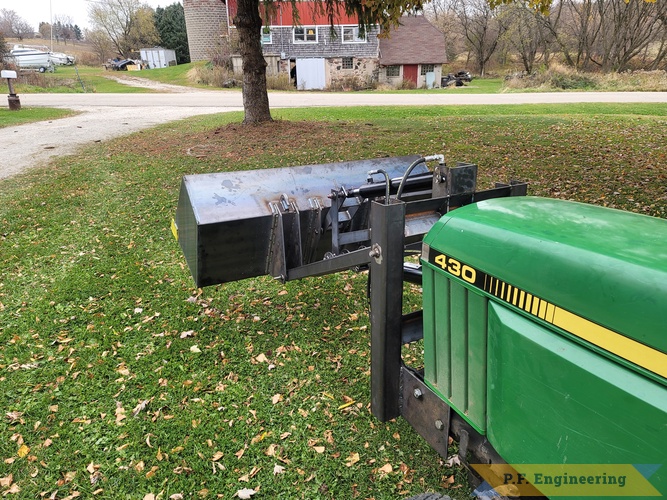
(34, 144)
(145, 83)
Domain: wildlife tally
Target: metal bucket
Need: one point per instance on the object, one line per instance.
(237, 225)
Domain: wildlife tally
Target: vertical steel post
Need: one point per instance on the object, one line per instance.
(387, 223)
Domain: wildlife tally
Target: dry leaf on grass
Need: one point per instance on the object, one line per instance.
(352, 459)
(245, 493)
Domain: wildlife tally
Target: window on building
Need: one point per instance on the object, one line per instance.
(351, 34)
(393, 71)
(305, 34)
(348, 63)
(427, 68)
(266, 35)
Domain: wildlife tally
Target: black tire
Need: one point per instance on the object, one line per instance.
(430, 496)
(42, 69)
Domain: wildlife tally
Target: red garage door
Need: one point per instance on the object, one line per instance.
(410, 72)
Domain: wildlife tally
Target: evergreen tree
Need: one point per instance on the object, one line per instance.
(170, 23)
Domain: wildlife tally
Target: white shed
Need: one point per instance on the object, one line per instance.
(157, 57)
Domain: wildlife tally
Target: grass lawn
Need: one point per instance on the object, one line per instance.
(28, 115)
(121, 379)
(70, 79)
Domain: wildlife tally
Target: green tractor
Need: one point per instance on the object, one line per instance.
(544, 321)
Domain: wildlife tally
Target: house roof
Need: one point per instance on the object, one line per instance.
(414, 41)
(310, 13)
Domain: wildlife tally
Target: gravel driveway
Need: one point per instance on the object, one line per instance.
(106, 116)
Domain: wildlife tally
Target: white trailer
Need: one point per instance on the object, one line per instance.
(157, 57)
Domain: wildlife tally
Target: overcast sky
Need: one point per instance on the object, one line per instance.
(36, 11)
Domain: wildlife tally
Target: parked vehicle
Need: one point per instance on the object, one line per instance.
(61, 59)
(31, 58)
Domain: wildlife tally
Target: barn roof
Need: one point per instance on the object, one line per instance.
(415, 41)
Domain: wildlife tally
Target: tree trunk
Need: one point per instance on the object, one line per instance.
(255, 97)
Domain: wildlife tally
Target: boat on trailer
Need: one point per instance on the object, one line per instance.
(31, 58)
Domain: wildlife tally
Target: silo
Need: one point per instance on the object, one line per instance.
(206, 23)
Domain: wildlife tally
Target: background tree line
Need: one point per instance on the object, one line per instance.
(589, 35)
(119, 28)
(122, 27)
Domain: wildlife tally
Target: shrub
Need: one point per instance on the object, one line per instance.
(563, 78)
(279, 82)
(213, 76)
(347, 83)
(406, 85)
(574, 81)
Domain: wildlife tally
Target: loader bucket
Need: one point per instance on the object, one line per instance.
(237, 225)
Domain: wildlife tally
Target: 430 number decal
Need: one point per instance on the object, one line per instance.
(456, 268)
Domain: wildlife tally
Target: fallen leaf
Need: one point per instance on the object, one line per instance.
(14, 488)
(260, 437)
(261, 358)
(319, 449)
(13, 415)
(453, 460)
(271, 450)
(352, 459)
(140, 407)
(277, 398)
(278, 469)
(187, 334)
(245, 493)
(176, 496)
(23, 451)
(217, 456)
(386, 469)
(149, 496)
(345, 405)
(195, 349)
(6, 481)
(120, 413)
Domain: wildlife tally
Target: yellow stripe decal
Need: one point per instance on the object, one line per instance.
(626, 348)
(529, 301)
